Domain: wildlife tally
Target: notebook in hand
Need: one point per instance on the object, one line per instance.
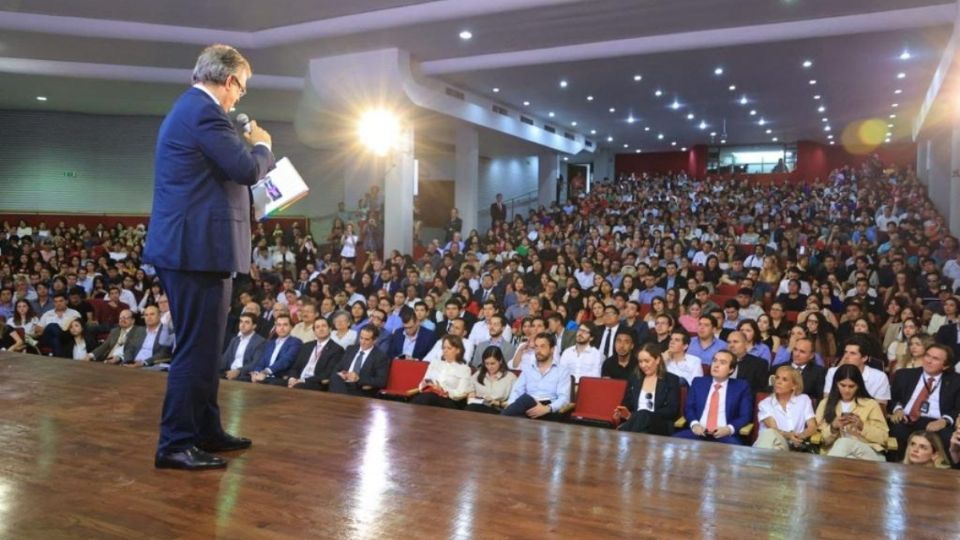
(282, 187)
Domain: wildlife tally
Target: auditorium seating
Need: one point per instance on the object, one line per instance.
(404, 378)
(596, 400)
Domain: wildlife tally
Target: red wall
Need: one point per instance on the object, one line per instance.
(654, 162)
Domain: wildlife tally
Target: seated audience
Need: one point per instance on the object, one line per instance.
(119, 346)
(496, 330)
(151, 346)
(813, 376)
(363, 369)
(342, 335)
(458, 328)
(543, 388)
(706, 343)
(278, 354)
(307, 313)
(925, 398)
(925, 449)
(78, 341)
(651, 403)
(411, 341)
(623, 362)
(316, 360)
(244, 349)
(749, 368)
(876, 381)
(582, 359)
(678, 361)
(54, 323)
(851, 422)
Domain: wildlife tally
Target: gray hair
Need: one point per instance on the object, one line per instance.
(217, 62)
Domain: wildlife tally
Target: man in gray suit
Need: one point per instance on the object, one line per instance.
(496, 324)
(152, 345)
(118, 346)
(244, 349)
(565, 338)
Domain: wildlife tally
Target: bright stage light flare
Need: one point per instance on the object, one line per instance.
(863, 137)
(379, 130)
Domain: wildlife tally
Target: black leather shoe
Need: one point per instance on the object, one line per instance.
(228, 443)
(191, 459)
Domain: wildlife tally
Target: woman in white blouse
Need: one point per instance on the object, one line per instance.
(77, 343)
(342, 335)
(786, 416)
(25, 319)
(447, 381)
(349, 243)
(491, 386)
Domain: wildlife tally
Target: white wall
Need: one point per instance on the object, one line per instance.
(512, 176)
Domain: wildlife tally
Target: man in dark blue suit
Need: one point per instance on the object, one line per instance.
(411, 341)
(278, 354)
(718, 406)
(200, 235)
(364, 369)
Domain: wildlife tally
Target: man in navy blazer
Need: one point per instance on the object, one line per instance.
(363, 369)
(411, 341)
(199, 235)
(278, 354)
(235, 361)
(735, 403)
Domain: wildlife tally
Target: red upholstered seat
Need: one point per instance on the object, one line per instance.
(597, 398)
(405, 376)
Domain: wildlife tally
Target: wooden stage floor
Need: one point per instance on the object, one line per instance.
(76, 461)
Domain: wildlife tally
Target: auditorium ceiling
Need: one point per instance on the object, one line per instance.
(121, 57)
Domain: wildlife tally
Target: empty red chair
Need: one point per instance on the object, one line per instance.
(791, 316)
(404, 378)
(596, 400)
(728, 289)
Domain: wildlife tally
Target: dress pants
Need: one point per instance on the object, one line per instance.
(522, 404)
(687, 434)
(199, 302)
(646, 422)
(848, 447)
(434, 400)
(479, 407)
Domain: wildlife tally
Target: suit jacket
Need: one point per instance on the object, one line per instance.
(425, 341)
(600, 330)
(288, 353)
(135, 343)
(666, 398)
(567, 339)
(814, 378)
(947, 335)
(905, 381)
(250, 355)
(755, 371)
(739, 402)
(376, 367)
(201, 201)
(498, 212)
(469, 318)
(101, 352)
(507, 348)
(329, 358)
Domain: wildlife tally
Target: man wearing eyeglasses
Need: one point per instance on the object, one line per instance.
(199, 236)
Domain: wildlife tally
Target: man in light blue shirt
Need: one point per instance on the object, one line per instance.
(543, 388)
(706, 344)
(652, 291)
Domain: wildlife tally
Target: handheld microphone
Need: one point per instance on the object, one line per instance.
(244, 122)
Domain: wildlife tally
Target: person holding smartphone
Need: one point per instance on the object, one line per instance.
(850, 421)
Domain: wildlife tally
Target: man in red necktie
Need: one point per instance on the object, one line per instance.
(718, 406)
(925, 398)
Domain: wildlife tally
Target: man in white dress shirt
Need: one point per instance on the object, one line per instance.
(876, 381)
(457, 328)
(244, 348)
(582, 359)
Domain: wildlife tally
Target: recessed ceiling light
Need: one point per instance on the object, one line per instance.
(613, 110)
(609, 139)
(769, 131)
(718, 71)
(831, 143)
(713, 133)
(901, 75)
(826, 128)
(732, 87)
(889, 134)
(563, 84)
(637, 151)
(550, 114)
(589, 98)
(466, 34)
(673, 143)
(626, 146)
(660, 136)
(684, 149)
(893, 116)
(703, 125)
(813, 82)
(830, 136)
(574, 123)
(637, 78)
(41, 98)
(894, 105)
(675, 105)
(905, 55)
(566, 159)
(658, 93)
(762, 121)
(821, 108)
(690, 116)
(743, 100)
(774, 139)
(889, 125)
(496, 90)
(631, 119)
(646, 128)
(526, 103)
(753, 112)
(807, 63)
(824, 119)
(593, 132)
(723, 141)
(817, 97)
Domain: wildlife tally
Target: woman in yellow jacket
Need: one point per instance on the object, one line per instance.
(851, 422)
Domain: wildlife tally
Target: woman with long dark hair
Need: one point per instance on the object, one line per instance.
(492, 384)
(851, 421)
(652, 401)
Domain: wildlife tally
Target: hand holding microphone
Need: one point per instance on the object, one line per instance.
(253, 133)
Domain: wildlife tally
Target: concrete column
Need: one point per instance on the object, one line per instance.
(953, 216)
(938, 182)
(466, 190)
(360, 172)
(922, 171)
(398, 196)
(549, 170)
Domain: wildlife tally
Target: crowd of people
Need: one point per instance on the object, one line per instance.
(826, 310)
